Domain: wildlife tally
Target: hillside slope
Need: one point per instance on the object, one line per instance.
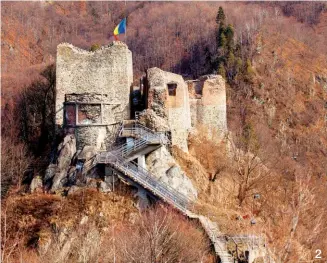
(284, 104)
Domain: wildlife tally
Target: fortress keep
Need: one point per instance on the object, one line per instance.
(93, 92)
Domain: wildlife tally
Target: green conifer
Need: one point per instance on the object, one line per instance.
(221, 70)
(220, 18)
(229, 33)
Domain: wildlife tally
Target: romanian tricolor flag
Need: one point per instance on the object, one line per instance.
(120, 29)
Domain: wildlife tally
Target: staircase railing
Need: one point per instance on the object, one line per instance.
(128, 148)
(138, 130)
(117, 159)
(147, 180)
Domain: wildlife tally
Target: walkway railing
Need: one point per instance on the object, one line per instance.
(147, 180)
(137, 130)
(144, 137)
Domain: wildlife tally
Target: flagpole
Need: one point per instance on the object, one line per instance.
(126, 24)
(127, 73)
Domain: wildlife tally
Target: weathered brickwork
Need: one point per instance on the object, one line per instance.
(95, 88)
(187, 104)
(174, 106)
(99, 136)
(105, 77)
(208, 102)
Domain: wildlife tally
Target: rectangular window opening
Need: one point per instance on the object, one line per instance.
(70, 114)
(172, 89)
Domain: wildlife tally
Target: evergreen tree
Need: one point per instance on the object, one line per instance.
(222, 41)
(229, 33)
(220, 18)
(238, 65)
(230, 60)
(221, 70)
(220, 33)
(249, 71)
(208, 60)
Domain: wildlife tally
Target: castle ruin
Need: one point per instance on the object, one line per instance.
(93, 108)
(94, 94)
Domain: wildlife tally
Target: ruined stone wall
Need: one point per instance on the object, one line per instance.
(99, 136)
(104, 76)
(208, 102)
(176, 109)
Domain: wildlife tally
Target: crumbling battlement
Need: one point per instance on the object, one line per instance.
(94, 90)
(168, 97)
(208, 102)
(187, 104)
(95, 87)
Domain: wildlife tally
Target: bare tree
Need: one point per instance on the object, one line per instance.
(15, 160)
(161, 236)
(35, 111)
(248, 164)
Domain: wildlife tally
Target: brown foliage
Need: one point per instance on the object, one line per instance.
(162, 236)
(158, 235)
(15, 160)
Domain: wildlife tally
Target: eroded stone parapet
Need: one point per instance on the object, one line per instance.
(208, 102)
(168, 97)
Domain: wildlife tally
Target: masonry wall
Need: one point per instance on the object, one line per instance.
(175, 108)
(208, 102)
(105, 75)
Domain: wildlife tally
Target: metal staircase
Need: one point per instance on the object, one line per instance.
(120, 160)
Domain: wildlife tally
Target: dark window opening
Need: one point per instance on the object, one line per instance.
(70, 115)
(198, 87)
(172, 89)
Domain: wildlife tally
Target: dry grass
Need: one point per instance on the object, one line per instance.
(30, 218)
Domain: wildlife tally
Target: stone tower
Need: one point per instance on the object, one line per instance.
(208, 103)
(93, 92)
(167, 95)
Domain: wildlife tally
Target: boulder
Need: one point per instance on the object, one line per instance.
(104, 187)
(150, 119)
(59, 180)
(162, 165)
(36, 185)
(59, 173)
(66, 150)
(87, 153)
(49, 175)
(50, 172)
(179, 181)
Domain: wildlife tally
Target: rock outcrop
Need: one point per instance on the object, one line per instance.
(150, 119)
(161, 164)
(59, 173)
(36, 184)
